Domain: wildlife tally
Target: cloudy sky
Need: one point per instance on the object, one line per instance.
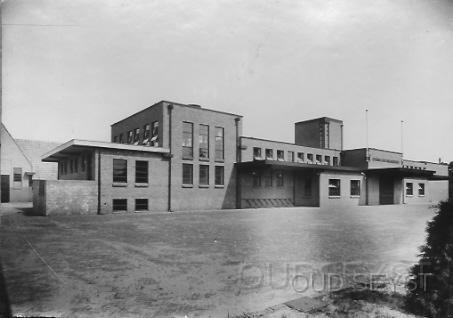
(71, 68)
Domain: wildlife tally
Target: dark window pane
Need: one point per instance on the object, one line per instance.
(17, 174)
(155, 134)
(204, 141)
(409, 188)
(119, 170)
(334, 187)
(141, 171)
(421, 189)
(119, 204)
(355, 187)
(136, 136)
(269, 154)
(280, 155)
(146, 135)
(204, 175)
(219, 175)
(187, 173)
(141, 204)
(257, 153)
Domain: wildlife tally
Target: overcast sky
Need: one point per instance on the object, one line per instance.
(72, 68)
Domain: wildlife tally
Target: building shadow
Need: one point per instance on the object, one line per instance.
(5, 306)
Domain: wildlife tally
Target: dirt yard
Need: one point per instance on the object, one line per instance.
(199, 264)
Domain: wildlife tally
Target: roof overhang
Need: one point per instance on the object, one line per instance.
(75, 147)
(294, 165)
(406, 173)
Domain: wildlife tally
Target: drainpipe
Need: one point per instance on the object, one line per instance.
(98, 153)
(238, 159)
(170, 155)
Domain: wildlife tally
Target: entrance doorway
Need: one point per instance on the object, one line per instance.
(5, 188)
(386, 190)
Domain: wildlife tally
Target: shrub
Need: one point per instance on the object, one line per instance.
(430, 289)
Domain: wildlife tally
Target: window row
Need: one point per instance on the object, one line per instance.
(335, 187)
(203, 142)
(291, 157)
(120, 171)
(120, 205)
(149, 136)
(203, 175)
(268, 179)
(410, 189)
(74, 165)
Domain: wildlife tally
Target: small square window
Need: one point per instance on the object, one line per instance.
(187, 174)
(310, 157)
(257, 153)
(141, 204)
(318, 159)
(327, 160)
(269, 154)
(300, 156)
(280, 155)
(119, 205)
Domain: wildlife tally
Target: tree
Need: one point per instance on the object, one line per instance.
(430, 289)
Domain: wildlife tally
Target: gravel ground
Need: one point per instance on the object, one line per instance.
(215, 263)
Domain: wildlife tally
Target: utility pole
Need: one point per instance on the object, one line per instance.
(366, 135)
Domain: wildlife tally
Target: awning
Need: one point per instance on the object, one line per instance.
(407, 173)
(256, 164)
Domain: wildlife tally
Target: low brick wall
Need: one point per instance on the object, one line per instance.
(64, 197)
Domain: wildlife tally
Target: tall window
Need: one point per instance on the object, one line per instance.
(355, 187)
(119, 205)
(409, 188)
(257, 153)
(187, 174)
(204, 175)
(141, 204)
(203, 142)
(334, 187)
(335, 161)
(141, 171)
(280, 155)
(130, 136)
(136, 136)
(269, 154)
(279, 179)
(219, 143)
(291, 156)
(187, 140)
(119, 170)
(155, 134)
(17, 177)
(421, 189)
(146, 134)
(219, 175)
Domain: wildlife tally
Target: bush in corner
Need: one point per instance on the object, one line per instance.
(430, 288)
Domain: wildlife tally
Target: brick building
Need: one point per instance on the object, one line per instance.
(172, 156)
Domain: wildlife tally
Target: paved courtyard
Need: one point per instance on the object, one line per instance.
(216, 263)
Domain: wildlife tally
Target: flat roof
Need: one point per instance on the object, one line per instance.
(194, 106)
(400, 153)
(318, 119)
(76, 145)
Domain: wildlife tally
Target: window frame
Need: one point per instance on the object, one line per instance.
(423, 188)
(136, 209)
(116, 178)
(255, 156)
(201, 141)
(188, 166)
(187, 151)
(407, 188)
(280, 155)
(136, 140)
(140, 175)
(119, 209)
(355, 194)
(220, 184)
(269, 151)
(335, 187)
(218, 139)
(154, 137)
(206, 177)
